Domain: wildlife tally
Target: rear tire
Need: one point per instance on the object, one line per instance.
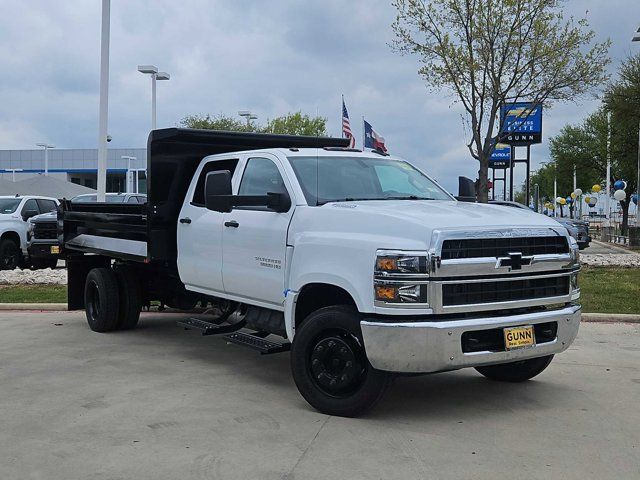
(130, 298)
(330, 366)
(516, 371)
(10, 255)
(101, 300)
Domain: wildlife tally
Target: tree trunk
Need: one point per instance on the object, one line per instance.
(625, 217)
(482, 189)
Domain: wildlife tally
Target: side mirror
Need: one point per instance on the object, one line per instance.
(278, 202)
(217, 191)
(28, 214)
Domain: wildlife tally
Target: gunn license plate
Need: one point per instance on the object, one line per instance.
(55, 249)
(519, 337)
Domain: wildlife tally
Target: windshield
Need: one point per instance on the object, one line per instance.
(344, 179)
(8, 205)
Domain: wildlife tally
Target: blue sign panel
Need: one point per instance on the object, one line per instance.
(521, 123)
(501, 156)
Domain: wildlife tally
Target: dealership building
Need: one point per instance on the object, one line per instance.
(79, 166)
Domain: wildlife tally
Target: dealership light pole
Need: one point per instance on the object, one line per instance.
(104, 101)
(13, 172)
(249, 116)
(46, 147)
(636, 38)
(152, 70)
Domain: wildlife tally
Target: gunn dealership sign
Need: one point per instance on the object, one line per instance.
(521, 123)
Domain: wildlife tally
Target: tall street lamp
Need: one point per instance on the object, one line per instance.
(249, 116)
(636, 38)
(46, 147)
(152, 70)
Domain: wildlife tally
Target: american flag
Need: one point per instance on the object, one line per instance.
(346, 126)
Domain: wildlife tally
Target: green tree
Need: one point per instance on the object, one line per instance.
(290, 124)
(490, 52)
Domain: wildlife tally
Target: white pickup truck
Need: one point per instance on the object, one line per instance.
(359, 260)
(15, 212)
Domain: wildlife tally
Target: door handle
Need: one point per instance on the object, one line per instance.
(185, 220)
(232, 223)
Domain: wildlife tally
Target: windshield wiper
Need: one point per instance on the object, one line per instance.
(407, 197)
(354, 199)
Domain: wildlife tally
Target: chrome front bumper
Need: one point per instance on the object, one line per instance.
(435, 346)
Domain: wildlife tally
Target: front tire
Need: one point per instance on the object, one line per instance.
(516, 371)
(101, 300)
(330, 366)
(10, 255)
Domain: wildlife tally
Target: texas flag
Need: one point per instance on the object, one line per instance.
(373, 139)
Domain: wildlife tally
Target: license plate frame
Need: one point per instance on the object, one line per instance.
(520, 337)
(54, 250)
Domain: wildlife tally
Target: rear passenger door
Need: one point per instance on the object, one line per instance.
(200, 236)
(47, 205)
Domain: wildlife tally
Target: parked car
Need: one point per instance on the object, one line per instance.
(361, 263)
(15, 212)
(42, 233)
(578, 229)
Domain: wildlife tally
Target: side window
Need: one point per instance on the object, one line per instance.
(30, 204)
(47, 205)
(214, 166)
(260, 177)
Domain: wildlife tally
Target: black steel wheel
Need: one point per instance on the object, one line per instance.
(10, 255)
(101, 300)
(330, 366)
(516, 371)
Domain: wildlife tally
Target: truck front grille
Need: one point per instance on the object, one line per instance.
(501, 247)
(45, 230)
(493, 291)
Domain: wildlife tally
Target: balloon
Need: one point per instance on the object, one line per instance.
(569, 200)
(634, 198)
(573, 194)
(587, 199)
(596, 188)
(578, 192)
(594, 200)
(619, 185)
(559, 199)
(563, 201)
(619, 195)
(592, 203)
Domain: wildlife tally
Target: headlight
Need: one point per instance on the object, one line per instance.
(390, 263)
(401, 277)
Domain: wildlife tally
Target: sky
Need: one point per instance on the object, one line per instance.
(224, 56)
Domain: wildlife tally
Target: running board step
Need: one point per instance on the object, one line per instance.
(208, 328)
(265, 347)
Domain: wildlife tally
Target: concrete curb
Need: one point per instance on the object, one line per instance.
(611, 318)
(48, 307)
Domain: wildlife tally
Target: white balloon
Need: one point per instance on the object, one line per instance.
(619, 195)
(558, 199)
(578, 192)
(594, 200)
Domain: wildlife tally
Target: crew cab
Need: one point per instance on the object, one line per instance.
(357, 262)
(15, 212)
(42, 232)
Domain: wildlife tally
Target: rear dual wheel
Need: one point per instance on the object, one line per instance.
(330, 366)
(112, 299)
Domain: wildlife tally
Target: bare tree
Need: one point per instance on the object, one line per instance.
(487, 53)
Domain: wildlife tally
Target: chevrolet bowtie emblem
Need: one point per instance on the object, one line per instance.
(515, 261)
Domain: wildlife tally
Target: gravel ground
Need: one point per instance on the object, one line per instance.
(610, 259)
(30, 277)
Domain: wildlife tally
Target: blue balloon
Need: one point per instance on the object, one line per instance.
(619, 185)
(634, 198)
(569, 200)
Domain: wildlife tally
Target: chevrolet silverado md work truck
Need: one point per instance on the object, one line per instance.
(357, 262)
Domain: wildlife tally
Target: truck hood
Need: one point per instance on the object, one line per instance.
(443, 214)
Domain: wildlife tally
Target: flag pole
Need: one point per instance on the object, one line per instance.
(341, 108)
(364, 144)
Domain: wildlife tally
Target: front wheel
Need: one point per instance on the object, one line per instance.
(516, 371)
(10, 255)
(330, 366)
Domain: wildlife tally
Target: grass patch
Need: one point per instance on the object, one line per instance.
(610, 290)
(33, 294)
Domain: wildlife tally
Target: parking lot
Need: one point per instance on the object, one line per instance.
(161, 402)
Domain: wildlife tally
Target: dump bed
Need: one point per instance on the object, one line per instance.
(148, 232)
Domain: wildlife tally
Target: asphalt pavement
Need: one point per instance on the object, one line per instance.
(160, 402)
(604, 248)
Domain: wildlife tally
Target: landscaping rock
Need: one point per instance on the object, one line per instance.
(31, 277)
